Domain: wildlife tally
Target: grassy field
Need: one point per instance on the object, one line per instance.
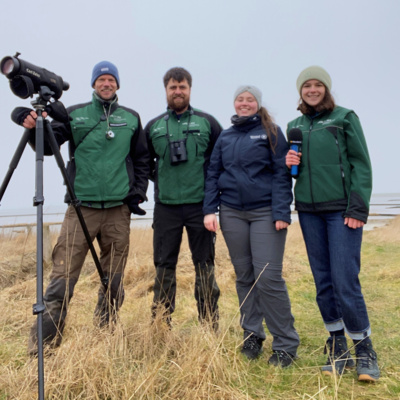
(143, 361)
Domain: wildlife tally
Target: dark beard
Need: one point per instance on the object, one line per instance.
(178, 109)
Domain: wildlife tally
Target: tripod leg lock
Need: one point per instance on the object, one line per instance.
(38, 308)
(37, 201)
(105, 282)
(76, 203)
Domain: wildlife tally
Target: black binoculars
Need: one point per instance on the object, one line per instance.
(178, 152)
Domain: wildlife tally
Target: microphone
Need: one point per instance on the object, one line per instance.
(295, 139)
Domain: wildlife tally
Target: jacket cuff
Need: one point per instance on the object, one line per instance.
(281, 217)
(357, 208)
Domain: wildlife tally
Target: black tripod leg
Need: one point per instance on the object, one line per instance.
(14, 162)
(74, 201)
(38, 200)
(39, 307)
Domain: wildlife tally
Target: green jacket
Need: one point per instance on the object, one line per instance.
(104, 172)
(181, 183)
(335, 171)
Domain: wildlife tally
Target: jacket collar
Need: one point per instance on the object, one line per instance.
(173, 113)
(245, 123)
(105, 104)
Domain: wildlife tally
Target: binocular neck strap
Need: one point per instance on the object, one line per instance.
(185, 133)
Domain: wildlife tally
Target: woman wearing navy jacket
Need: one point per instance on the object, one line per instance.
(248, 183)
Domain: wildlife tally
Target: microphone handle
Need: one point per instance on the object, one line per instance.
(294, 170)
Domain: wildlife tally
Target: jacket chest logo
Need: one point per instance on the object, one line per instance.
(263, 137)
(327, 121)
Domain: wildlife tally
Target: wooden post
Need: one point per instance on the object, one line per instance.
(47, 246)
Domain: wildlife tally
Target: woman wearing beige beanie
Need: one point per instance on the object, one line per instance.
(332, 194)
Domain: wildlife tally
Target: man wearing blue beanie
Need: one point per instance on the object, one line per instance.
(103, 68)
(109, 169)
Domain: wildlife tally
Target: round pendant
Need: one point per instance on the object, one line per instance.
(110, 135)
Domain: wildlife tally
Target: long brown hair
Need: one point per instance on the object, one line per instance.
(327, 104)
(269, 126)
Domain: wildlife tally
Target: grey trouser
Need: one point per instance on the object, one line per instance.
(111, 228)
(256, 249)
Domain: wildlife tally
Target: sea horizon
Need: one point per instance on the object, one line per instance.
(383, 206)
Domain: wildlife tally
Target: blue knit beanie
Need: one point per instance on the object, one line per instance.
(104, 68)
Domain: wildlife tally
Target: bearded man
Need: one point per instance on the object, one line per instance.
(180, 143)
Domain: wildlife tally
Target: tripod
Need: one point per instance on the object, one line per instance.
(38, 308)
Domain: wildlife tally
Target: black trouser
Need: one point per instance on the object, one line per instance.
(168, 224)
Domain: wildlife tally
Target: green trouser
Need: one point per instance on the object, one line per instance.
(111, 227)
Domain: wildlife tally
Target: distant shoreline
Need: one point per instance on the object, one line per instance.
(383, 207)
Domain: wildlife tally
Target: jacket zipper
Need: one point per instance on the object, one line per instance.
(235, 145)
(309, 163)
(341, 167)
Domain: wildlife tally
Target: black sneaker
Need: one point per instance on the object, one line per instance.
(339, 356)
(252, 347)
(280, 358)
(367, 361)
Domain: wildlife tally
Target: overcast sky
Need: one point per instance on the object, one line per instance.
(223, 44)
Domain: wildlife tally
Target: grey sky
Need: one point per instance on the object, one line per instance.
(223, 44)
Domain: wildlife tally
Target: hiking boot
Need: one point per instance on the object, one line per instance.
(339, 356)
(208, 319)
(252, 346)
(160, 315)
(367, 361)
(52, 335)
(281, 359)
(213, 325)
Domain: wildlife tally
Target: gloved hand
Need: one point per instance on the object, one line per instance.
(135, 209)
(19, 114)
(133, 204)
(57, 111)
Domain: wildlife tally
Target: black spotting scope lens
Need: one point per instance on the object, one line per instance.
(7, 66)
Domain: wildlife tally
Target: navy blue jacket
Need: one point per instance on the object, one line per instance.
(245, 174)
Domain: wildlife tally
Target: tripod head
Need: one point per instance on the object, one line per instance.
(55, 109)
(44, 96)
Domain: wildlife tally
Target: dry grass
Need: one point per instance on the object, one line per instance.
(143, 361)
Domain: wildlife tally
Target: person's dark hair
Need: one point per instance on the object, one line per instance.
(269, 126)
(327, 104)
(178, 74)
